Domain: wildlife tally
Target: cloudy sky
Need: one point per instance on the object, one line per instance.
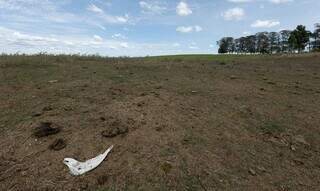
(139, 28)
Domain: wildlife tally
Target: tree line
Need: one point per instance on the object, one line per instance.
(285, 41)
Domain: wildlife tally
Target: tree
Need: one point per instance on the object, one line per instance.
(226, 45)
(237, 45)
(274, 42)
(222, 47)
(262, 42)
(316, 37)
(299, 38)
(284, 40)
(250, 43)
(242, 46)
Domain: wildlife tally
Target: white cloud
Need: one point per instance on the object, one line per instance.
(16, 41)
(271, 1)
(280, 1)
(193, 46)
(265, 23)
(189, 29)
(240, 1)
(119, 36)
(94, 8)
(152, 7)
(97, 38)
(107, 18)
(234, 14)
(114, 19)
(176, 44)
(197, 28)
(124, 45)
(184, 29)
(183, 9)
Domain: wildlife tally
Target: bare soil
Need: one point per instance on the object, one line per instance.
(218, 123)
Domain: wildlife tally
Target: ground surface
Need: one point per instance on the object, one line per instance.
(186, 123)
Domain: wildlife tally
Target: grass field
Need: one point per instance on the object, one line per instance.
(192, 122)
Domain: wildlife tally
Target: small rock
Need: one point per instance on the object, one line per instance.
(252, 172)
(102, 118)
(298, 161)
(47, 108)
(233, 77)
(300, 139)
(262, 169)
(140, 104)
(271, 83)
(37, 115)
(53, 81)
(262, 89)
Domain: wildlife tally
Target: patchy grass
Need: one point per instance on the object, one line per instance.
(193, 122)
(272, 128)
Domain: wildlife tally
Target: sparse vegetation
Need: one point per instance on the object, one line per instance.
(184, 122)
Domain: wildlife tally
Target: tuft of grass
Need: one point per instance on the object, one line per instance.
(272, 128)
(166, 167)
(169, 151)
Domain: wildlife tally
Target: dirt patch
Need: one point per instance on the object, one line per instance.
(115, 128)
(183, 125)
(46, 129)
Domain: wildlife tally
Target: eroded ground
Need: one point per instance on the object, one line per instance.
(210, 123)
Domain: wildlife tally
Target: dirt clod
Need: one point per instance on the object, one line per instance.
(47, 108)
(45, 129)
(233, 77)
(102, 179)
(36, 114)
(115, 129)
(58, 144)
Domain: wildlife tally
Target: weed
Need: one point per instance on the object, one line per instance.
(272, 128)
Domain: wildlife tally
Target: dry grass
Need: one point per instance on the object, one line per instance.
(194, 122)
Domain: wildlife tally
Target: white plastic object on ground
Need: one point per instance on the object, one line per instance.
(78, 168)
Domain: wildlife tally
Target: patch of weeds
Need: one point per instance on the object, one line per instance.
(119, 79)
(107, 189)
(177, 60)
(272, 128)
(190, 181)
(191, 138)
(169, 151)
(166, 167)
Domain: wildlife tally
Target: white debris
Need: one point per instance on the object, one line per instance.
(53, 81)
(78, 168)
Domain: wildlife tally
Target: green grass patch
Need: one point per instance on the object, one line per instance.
(272, 128)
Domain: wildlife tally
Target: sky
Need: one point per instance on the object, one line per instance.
(142, 27)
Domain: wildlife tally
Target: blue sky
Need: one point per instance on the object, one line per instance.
(142, 27)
